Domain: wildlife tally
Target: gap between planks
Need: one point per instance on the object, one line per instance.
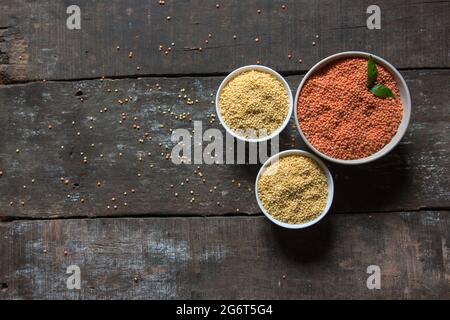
(165, 215)
(181, 75)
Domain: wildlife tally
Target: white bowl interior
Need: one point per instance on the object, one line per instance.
(273, 159)
(404, 96)
(264, 69)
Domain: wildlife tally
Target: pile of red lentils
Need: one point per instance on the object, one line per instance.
(341, 118)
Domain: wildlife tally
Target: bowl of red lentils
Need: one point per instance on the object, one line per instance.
(352, 107)
(254, 103)
(294, 189)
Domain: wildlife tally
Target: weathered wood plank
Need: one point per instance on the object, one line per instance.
(235, 258)
(35, 42)
(415, 175)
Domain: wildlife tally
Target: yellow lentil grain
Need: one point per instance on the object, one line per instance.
(293, 189)
(254, 100)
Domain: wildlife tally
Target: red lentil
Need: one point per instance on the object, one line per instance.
(341, 117)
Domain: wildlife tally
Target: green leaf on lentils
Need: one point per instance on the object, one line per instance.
(372, 72)
(382, 92)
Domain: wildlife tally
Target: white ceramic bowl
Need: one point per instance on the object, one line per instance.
(404, 96)
(264, 69)
(330, 188)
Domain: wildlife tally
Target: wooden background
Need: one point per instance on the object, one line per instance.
(394, 212)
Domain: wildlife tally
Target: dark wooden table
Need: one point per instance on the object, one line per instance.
(393, 212)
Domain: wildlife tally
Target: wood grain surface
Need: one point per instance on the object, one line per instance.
(35, 42)
(79, 185)
(222, 257)
(415, 175)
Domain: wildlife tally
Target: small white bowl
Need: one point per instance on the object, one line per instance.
(404, 96)
(259, 68)
(273, 159)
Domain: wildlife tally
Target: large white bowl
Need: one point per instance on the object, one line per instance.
(404, 96)
(330, 183)
(259, 68)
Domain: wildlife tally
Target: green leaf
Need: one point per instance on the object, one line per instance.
(382, 92)
(372, 72)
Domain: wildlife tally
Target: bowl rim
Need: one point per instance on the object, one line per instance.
(264, 69)
(329, 181)
(404, 96)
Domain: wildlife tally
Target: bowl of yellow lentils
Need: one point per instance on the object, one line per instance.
(254, 103)
(294, 189)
